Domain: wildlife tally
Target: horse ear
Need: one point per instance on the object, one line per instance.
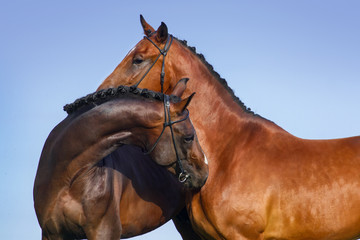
(162, 33)
(147, 28)
(179, 88)
(182, 105)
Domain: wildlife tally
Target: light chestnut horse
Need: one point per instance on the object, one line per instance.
(264, 183)
(82, 184)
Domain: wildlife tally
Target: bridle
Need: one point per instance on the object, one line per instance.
(163, 52)
(183, 176)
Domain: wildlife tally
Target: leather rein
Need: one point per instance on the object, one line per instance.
(183, 176)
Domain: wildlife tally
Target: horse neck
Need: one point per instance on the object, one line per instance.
(219, 120)
(94, 134)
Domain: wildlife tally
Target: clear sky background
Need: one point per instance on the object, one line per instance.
(296, 63)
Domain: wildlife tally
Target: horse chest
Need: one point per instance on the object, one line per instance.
(224, 216)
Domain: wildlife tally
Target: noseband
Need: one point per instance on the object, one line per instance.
(163, 52)
(183, 176)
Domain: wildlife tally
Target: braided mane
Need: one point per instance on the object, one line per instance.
(105, 95)
(216, 75)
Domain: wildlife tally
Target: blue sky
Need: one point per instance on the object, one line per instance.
(296, 63)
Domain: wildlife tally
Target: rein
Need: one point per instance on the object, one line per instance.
(163, 52)
(183, 176)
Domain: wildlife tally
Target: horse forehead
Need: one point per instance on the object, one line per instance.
(137, 46)
(143, 49)
(184, 127)
(131, 51)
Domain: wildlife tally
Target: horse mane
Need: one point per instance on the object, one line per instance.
(105, 95)
(221, 80)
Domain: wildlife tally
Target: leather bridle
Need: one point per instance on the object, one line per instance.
(183, 176)
(163, 52)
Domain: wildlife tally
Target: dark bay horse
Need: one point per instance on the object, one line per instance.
(80, 182)
(264, 183)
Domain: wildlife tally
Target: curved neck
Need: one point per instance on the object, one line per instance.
(89, 137)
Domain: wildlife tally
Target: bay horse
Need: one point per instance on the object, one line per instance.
(263, 183)
(79, 185)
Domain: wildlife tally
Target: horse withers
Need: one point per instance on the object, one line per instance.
(77, 191)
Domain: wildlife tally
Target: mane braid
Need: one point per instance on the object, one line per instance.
(216, 75)
(105, 95)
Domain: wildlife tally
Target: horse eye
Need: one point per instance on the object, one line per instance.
(189, 139)
(137, 60)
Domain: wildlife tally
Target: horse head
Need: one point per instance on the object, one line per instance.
(174, 144)
(154, 63)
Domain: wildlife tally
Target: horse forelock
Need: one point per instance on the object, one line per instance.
(217, 76)
(108, 94)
